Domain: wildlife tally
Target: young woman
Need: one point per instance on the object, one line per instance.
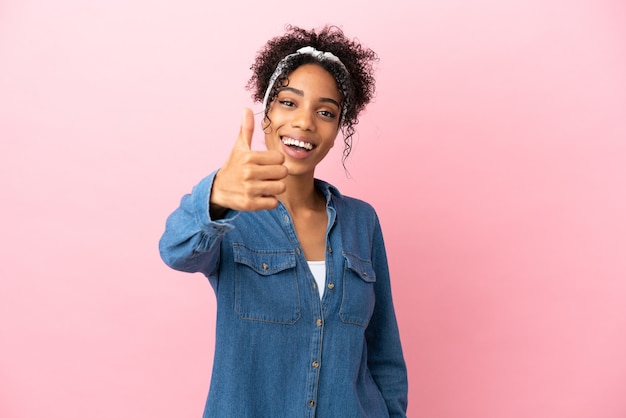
(305, 318)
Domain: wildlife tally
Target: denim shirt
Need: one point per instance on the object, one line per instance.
(280, 351)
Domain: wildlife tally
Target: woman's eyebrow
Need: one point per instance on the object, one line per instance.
(329, 100)
(291, 89)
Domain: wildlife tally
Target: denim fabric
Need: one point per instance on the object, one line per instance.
(280, 351)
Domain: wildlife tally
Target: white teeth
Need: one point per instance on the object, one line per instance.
(290, 141)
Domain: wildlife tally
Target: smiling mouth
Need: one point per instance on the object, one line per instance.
(294, 143)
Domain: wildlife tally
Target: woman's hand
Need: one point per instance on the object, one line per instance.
(249, 180)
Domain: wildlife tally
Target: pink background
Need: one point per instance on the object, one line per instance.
(495, 154)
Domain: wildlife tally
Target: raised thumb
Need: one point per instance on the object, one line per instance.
(247, 128)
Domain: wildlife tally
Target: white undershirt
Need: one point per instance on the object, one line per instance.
(318, 269)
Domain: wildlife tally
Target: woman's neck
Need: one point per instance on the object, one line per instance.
(301, 195)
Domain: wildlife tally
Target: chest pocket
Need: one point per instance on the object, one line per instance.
(266, 286)
(357, 302)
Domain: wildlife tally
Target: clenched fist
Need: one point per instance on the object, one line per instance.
(249, 180)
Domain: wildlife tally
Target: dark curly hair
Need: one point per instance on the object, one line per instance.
(358, 85)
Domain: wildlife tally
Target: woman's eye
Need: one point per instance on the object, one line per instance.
(286, 102)
(327, 113)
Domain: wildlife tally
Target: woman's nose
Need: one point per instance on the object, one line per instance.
(303, 119)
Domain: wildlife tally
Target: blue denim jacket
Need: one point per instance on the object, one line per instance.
(280, 351)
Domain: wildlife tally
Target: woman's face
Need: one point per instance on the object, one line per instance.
(304, 118)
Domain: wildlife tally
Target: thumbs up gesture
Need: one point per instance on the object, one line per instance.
(249, 180)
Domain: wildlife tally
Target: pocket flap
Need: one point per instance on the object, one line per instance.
(263, 262)
(363, 268)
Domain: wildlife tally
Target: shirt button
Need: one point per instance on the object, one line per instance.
(287, 218)
(265, 266)
(331, 286)
(330, 249)
(315, 364)
(298, 250)
(318, 322)
(311, 403)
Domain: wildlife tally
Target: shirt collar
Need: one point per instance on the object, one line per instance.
(328, 189)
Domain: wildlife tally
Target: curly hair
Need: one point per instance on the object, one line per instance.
(358, 84)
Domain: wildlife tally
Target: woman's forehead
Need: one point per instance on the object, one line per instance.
(313, 77)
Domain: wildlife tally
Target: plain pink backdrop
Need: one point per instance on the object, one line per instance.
(495, 154)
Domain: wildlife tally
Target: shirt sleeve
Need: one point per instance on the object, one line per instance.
(191, 241)
(385, 358)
